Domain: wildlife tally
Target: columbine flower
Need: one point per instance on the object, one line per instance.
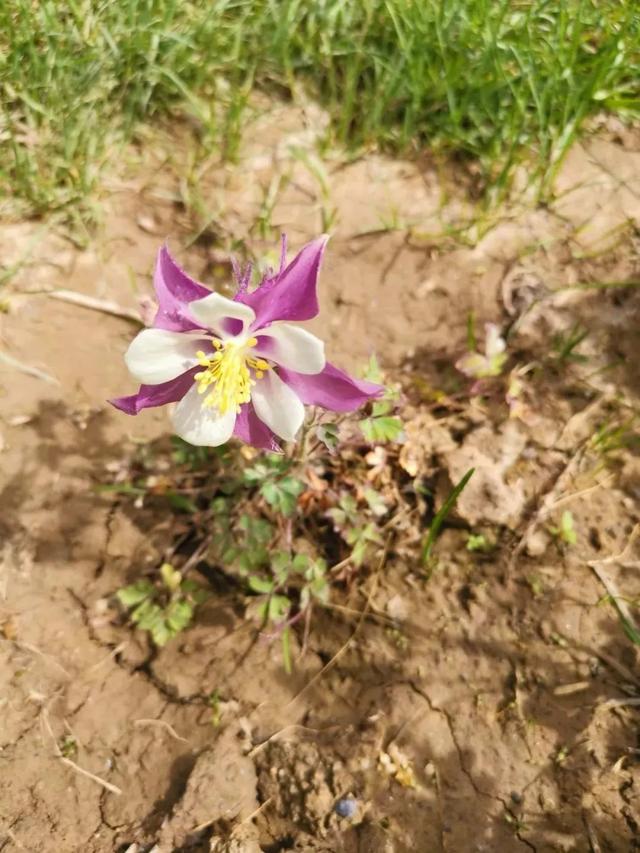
(238, 366)
(479, 366)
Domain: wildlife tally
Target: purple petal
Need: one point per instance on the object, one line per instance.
(331, 389)
(291, 294)
(175, 290)
(156, 395)
(250, 429)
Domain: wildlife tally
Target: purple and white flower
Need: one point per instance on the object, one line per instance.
(477, 365)
(238, 366)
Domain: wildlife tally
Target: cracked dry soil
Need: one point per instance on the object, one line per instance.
(504, 683)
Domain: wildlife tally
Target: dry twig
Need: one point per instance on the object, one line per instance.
(26, 368)
(113, 789)
(106, 306)
(164, 724)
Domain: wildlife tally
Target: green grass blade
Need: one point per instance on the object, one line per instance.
(442, 514)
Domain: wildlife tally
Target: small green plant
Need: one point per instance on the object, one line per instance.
(163, 609)
(398, 638)
(622, 608)
(358, 525)
(216, 712)
(77, 84)
(240, 544)
(536, 585)
(488, 364)
(615, 435)
(565, 345)
(279, 489)
(565, 531)
(68, 746)
(189, 455)
(479, 542)
(295, 583)
(441, 516)
(382, 425)
(327, 435)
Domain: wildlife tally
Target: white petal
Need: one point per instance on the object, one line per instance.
(495, 344)
(277, 405)
(292, 347)
(202, 425)
(157, 355)
(213, 310)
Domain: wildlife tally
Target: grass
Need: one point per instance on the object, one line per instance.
(441, 516)
(489, 81)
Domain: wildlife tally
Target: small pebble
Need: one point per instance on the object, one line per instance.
(346, 807)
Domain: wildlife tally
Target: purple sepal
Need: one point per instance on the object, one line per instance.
(331, 389)
(250, 429)
(175, 290)
(149, 396)
(291, 293)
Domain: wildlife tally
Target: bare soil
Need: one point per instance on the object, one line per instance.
(490, 707)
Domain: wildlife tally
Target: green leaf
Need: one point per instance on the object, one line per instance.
(260, 585)
(245, 547)
(194, 591)
(160, 633)
(220, 505)
(262, 611)
(359, 538)
(170, 577)
(281, 565)
(147, 615)
(328, 435)
(188, 454)
(257, 530)
(369, 533)
(178, 615)
(282, 494)
(301, 563)
(381, 407)
(376, 502)
(318, 588)
(383, 429)
(181, 502)
(317, 568)
(279, 606)
(472, 341)
(441, 515)
(372, 372)
(478, 542)
(230, 555)
(345, 513)
(256, 474)
(568, 532)
(134, 594)
(251, 560)
(358, 552)
(268, 468)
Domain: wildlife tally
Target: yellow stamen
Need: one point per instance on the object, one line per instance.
(228, 371)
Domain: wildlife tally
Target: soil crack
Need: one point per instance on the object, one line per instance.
(111, 513)
(482, 793)
(143, 669)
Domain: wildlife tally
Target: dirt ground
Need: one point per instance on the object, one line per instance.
(492, 707)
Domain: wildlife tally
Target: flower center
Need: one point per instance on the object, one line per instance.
(227, 370)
